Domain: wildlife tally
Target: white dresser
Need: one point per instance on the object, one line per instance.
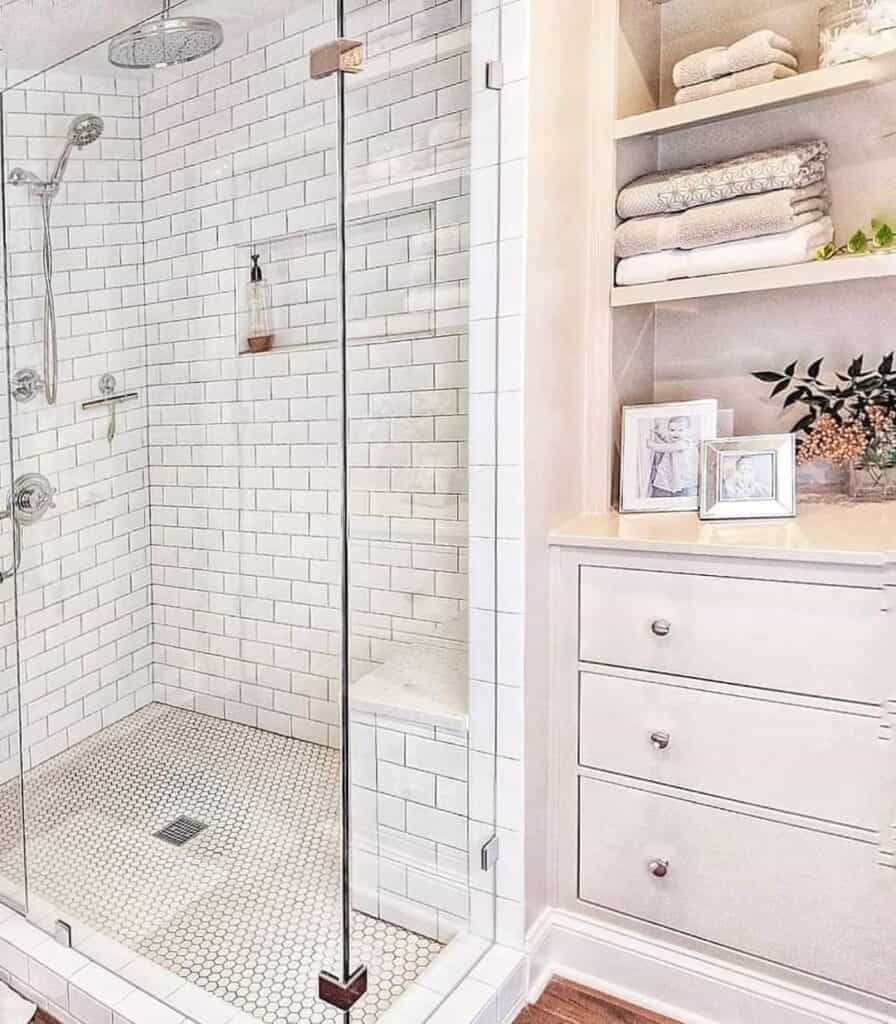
(725, 771)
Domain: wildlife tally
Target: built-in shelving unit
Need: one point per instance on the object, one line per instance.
(810, 85)
(705, 337)
(801, 275)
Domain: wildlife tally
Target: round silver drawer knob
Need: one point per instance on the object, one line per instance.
(661, 627)
(659, 868)
(660, 739)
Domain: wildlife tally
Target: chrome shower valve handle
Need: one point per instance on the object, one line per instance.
(32, 495)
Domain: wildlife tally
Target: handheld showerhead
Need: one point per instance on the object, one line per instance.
(84, 130)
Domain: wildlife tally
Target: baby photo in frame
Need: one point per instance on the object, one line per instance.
(748, 477)
(660, 461)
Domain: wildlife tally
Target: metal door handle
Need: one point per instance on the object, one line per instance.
(661, 627)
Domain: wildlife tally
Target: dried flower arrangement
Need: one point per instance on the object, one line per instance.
(851, 419)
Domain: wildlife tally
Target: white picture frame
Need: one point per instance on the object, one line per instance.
(660, 454)
(748, 477)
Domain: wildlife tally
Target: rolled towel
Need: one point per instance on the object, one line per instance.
(762, 75)
(14, 1009)
(729, 221)
(793, 166)
(797, 246)
(762, 47)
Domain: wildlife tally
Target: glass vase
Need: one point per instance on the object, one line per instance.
(873, 480)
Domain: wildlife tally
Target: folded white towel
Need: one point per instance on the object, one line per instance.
(14, 1009)
(761, 75)
(797, 246)
(762, 47)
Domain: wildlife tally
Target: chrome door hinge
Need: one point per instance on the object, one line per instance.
(342, 994)
(340, 55)
(62, 933)
(491, 853)
(494, 75)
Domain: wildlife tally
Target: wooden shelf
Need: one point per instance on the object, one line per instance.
(801, 275)
(859, 74)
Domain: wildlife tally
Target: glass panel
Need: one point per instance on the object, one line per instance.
(12, 851)
(180, 607)
(422, 750)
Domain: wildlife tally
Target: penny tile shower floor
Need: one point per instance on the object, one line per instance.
(249, 909)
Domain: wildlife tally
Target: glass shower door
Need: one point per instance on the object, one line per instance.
(180, 606)
(12, 852)
(421, 713)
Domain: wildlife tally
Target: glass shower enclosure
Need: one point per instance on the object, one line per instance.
(247, 750)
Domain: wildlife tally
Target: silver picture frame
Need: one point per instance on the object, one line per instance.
(748, 477)
(659, 467)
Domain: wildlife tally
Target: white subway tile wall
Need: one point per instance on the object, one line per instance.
(84, 612)
(410, 847)
(240, 154)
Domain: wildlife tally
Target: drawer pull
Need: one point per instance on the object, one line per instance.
(660, 739)
(661, 627)
(659, 868)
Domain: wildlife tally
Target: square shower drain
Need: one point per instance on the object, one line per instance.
(181, 831)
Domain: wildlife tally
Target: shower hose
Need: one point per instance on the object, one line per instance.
(51, 352)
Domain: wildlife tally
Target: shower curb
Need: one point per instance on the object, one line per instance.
(69, 988)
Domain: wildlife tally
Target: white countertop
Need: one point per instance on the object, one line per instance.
(863, 534)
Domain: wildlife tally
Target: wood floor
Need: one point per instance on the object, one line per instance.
(564, 1002)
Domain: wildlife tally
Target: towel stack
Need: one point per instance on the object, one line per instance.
(754, 60)
(765, 209)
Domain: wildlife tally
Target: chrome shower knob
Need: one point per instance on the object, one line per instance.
(660, 739)
(32, 496)
(661, 627)
(26, 384)
(659, 867)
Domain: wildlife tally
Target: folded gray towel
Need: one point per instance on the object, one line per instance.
(728, 221)
(793, 166)
(740, 80)
(762, 47)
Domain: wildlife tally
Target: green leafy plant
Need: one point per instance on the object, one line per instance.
(850, 416)
(881, 239)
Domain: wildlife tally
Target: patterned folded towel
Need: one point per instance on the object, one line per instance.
(793, 166)
(798, 246)
(762, 47)
(728, 221)
(739, 80)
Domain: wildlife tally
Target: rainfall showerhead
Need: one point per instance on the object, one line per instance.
(159, 44)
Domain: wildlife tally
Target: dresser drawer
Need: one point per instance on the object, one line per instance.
(811, 901)
(802, 638)
(823, 764)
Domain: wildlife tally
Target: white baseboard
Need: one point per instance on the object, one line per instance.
(690, 987)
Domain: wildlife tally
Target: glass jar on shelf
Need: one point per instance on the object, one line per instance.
(854, 29)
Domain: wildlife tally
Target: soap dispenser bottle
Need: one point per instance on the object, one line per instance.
(260, 335)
